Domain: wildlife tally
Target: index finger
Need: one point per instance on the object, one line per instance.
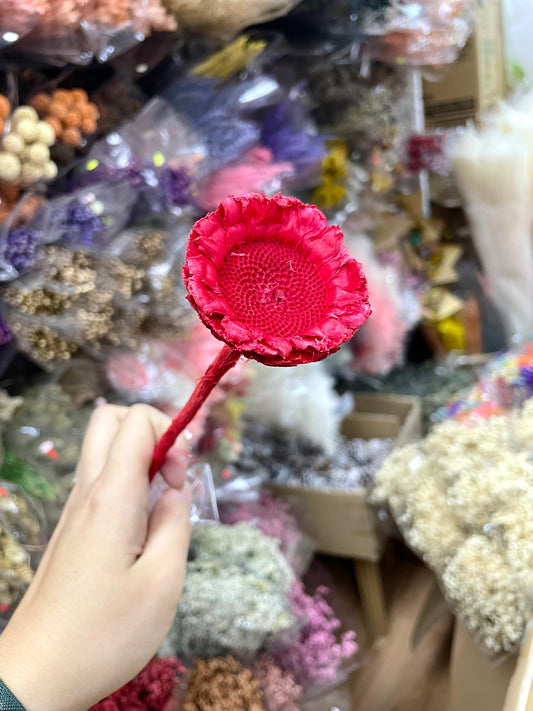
(132, 449)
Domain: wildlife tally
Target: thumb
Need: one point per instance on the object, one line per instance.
(169, 532)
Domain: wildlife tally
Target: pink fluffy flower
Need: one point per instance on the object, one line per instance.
(279, 689)
(316, 655)
(253, 172)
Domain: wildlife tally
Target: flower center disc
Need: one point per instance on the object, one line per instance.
(274, 287)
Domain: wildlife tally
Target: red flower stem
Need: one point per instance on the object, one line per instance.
(226, 359)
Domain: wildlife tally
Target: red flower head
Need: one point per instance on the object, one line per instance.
(272, 280)
(270, 277)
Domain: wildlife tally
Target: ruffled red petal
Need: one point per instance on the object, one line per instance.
(255, 326)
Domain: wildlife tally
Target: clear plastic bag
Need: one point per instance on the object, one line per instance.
(235, 599)
(255, 172)
(425, 32)
(158, 154)
(16, 21)
(273, 518)
(76, 299)
(321, 656)
(79, 31)
(88, 218)
(223, 20)
(200, 479)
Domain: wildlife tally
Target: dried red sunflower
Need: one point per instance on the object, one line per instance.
(272, 278)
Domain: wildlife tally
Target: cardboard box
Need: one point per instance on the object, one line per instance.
(476, 683)
(340, 522)
(475, 82)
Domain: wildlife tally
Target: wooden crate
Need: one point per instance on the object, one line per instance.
(340, 522)
(477, 684)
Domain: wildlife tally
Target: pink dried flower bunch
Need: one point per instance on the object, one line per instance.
(279, 689)
(150, 690)
(316, 655)
(19, 16)
(57, 18)
(271, 516)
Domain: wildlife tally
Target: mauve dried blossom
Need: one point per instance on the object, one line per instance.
(316, 655)
(279, 689)
(150, 690)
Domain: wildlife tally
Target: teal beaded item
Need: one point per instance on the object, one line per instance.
(7, 701)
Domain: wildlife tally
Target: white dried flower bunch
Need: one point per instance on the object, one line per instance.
(463, 499)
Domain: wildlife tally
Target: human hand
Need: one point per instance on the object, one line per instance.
(109, 583)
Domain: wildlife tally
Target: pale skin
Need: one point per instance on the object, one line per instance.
(107, 589)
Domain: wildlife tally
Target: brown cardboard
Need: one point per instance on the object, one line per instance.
(520, 692)
(340, 522)
(475, 82)
(476, 683)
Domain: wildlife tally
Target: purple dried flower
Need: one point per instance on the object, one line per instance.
(105, 173)
(282, 132)
(526, 373)
(5, 333)
(21, 246)
(316, 655)
(176, 184)
(79, 225)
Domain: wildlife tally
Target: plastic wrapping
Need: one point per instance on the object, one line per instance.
(255, 172)
(504, 384)
(222, 20)
(23, 535)
(43, 444)
(425, 32)
(200, 479)
(270, 454)
(235, 598)
(298, 401)
(275, 520)
(101, 290)
(518, 16)
(460, 500)
(75, 32)
(158, 154)
(316, 657)
(371, 108)
(494, 177)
